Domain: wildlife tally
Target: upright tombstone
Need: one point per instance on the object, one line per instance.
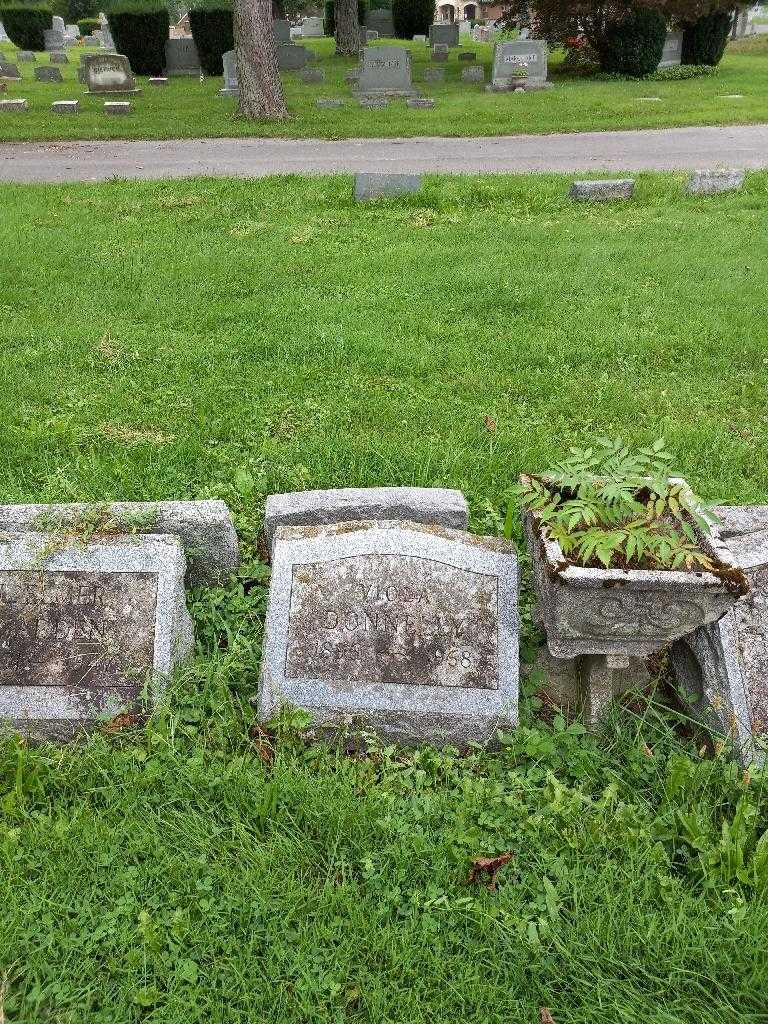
(26, 56)
(312, 28)
(385, 71)
(4, 37)
(672, 53)
(59, 57)
(53, 39)
(446, 33)
(106, 32)
(381, 21)
(230, 75)
(519, 65)
(291, 57)
(282, 30)
(46, 73)
(181, 58)
(10, 71)
(440, 53)
(84, 628)
(404, 629)
(109, 74)
(57, 24)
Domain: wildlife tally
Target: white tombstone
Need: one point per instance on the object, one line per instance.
(312, 28)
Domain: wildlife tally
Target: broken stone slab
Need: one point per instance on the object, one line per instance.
(205, 528)
(724, 666)
(434, 506)
(402, 628)
(87, 628)
(602, 191)
(710, 183)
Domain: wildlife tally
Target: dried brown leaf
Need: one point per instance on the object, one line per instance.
(485, 869)
(125, 720)
(545, 1017)
(490, 424)
(263, 742)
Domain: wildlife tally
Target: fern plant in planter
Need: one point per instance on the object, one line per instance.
(625, 558)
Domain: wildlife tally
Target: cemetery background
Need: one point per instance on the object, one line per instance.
(186, 109)
(233, 339)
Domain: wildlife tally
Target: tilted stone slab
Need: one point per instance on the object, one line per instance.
(725, 665)
(602, 191)
(709, 183)
(435, 506)
(205, 528)
(85, 626)
(406, 629)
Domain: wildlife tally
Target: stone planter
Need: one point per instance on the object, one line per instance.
(606, 617)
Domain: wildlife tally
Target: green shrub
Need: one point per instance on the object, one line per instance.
(140, 31)
(25, 25)
(683, 72)
(634, 45)
(87, 26)
(412, 17)
(212, 32)
(704, 41)
(77, 9)
(329, 19)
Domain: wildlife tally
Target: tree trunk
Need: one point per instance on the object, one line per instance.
(258, 80)
(347, 28)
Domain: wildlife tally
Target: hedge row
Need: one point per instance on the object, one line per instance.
(141, 34)
(412, 17)
(212, 32)
(25, 25)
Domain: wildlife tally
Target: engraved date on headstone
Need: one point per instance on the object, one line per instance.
(78, 632)
(393, 619)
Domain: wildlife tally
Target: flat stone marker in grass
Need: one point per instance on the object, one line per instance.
(66, 107)
(385, 71)
(312, 76)
(372, 185)
(434, 75)
(602, 191)
(26, 56)
(401, 628)
(109, 74)
(373, 102)
(467, 56)
(158, 81)
(17, 106)
(519, 64)
(48, 74)
(439, 54)
(475, 74)
(204, 528)
(11, 72)
(59, 57)
(444, 34)
(709, 183)
(85, 626)
(329, 104)
(725, 665)
(434, 506)
(420, 103)
(117, 107)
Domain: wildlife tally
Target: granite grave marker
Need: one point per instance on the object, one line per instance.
(385, 71)
(109, 74)
(519, 65)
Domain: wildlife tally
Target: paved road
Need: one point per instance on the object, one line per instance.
(658, 149)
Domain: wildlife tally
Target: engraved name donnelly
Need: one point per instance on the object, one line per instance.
(393, 619)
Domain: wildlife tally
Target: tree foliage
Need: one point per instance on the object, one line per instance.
(412, 17)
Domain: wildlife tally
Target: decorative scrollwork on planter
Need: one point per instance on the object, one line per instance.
(639, 613)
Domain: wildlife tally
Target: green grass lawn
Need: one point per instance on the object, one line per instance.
(213, 338)
(187, 109)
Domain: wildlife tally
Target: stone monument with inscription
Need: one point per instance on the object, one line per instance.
(401, 628)
(109, 74)
(673, 51)
(519, 64)
(229, 63)
(380, 20)
(181, 58)
(385, 71)
(446, 33)
(87, 628)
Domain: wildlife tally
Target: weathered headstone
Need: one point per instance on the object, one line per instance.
(474, 74)
(370, 36)
(85, 627)
(519, 64)
(447, 34)
(373, 102)
(369, 185)
(109, 74)
(230, 75)
(433, 506)
(708, 183)
(312, 76)
(66, 107)
(434, 74)
(48, 74)
(420, 103)
(106, 33)
(17, 106)
(329, 104)
(439, 53)
(59, 57)
(26, 56)
(10, 71)
(291, 57)
(602, 190)
(53, 39)
(468, 56)
(204, 528)
(91, 41)
(385, 71)
(4, 37)
(57, 24)
(725, 665)
(181, 58)
(380, 21)
(673, 51)
(419, 39)
(405, 629)
(312, 28)
(282, 30)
